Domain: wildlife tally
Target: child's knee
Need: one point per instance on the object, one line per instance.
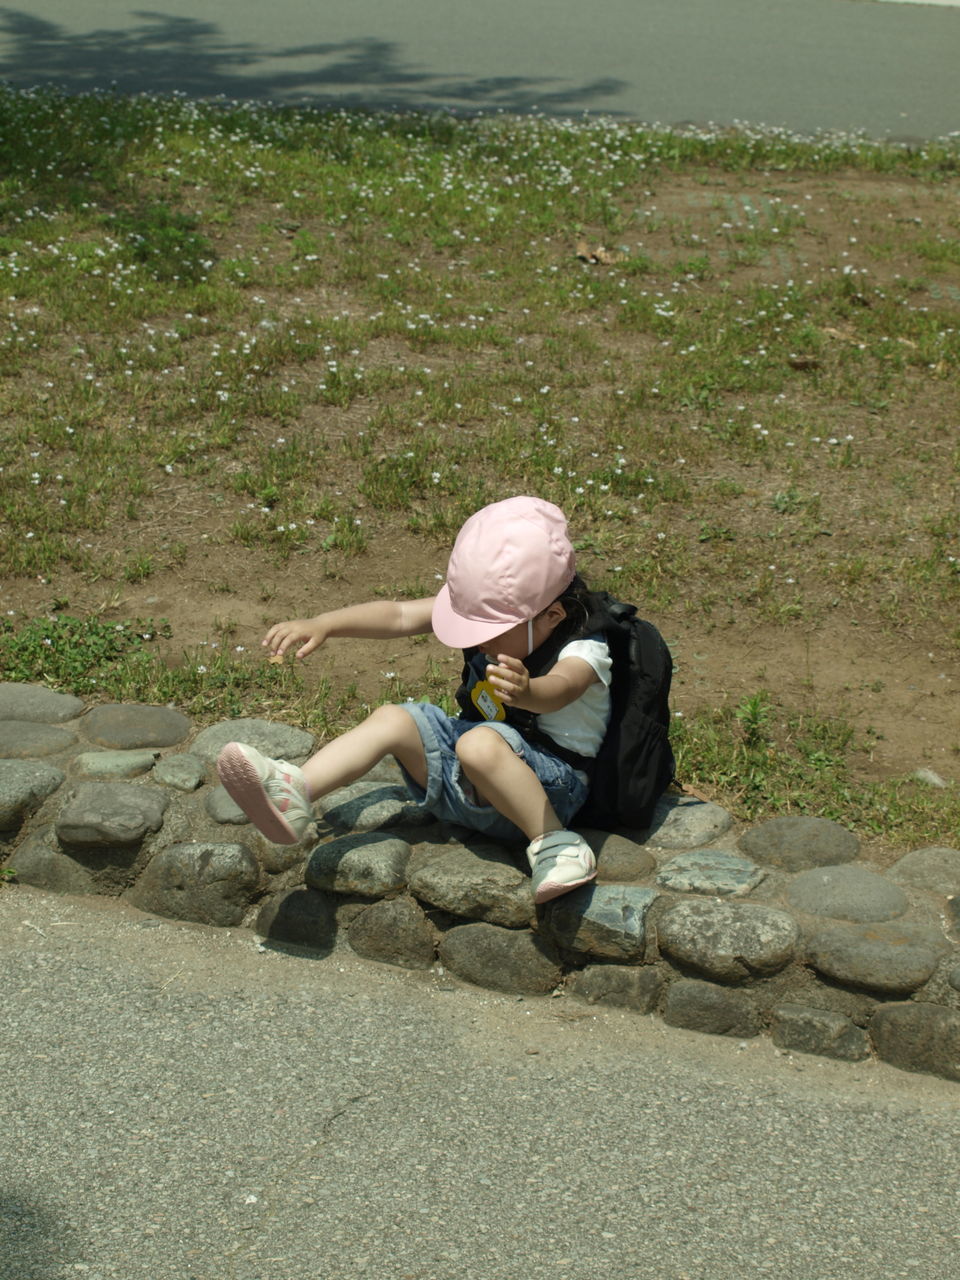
(481, 749)
(393, 723)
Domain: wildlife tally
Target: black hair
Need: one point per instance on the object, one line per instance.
(580, 605)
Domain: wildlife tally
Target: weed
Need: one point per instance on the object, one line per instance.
(82, 655)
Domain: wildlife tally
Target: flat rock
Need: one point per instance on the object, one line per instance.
(797, 843)
(24, 785)
(701, 1006)
(503, 959)
(280, 741)
(605, 920)
(370, 806)
(729, 941)
(36, 702)
(394, 931)
(209, 883)
(846, 893)
(25, 739)
(183, 772)
(114, 764)
(802, 1029)
(129, 725)
(710, 871)
(105, 814)
(371, 864)
(895, 959)
(475, 886)
(936, 869)
(626, 986)
(302, 917)
(620, 859)
(918, 1037)
(684, 822)
(39, 861)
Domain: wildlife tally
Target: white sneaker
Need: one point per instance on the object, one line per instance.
(559, 862)
(272, 793)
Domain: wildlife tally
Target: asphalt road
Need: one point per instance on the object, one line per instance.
(176, 1104)
(889, 69)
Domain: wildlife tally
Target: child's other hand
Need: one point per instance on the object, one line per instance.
(509, 677)
(305, 632)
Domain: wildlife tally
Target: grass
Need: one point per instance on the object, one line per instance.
(325, 331)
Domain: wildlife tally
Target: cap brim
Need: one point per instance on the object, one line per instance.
(464, 633)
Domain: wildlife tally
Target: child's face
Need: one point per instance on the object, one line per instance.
(520, 641)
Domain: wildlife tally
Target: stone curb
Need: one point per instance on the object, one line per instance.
(780, 928)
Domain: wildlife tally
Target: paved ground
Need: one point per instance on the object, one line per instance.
(179, 1105)
(887, 68)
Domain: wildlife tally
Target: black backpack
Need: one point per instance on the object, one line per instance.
(635, 763)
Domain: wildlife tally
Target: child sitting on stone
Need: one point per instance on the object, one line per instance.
(511, 583)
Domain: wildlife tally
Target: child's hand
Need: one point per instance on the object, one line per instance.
(510, 678)
(305, 632)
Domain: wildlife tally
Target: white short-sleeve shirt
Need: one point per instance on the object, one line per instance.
(581, 724)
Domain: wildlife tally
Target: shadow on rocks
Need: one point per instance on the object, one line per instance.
(303, 917)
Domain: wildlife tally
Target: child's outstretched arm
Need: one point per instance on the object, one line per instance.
(562, 684)
(376, 620)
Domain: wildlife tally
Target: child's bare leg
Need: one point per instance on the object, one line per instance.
(560, 860)
(276, 796)
(502, 779)
(387, 731)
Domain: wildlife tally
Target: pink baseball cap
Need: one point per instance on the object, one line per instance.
(510, 560)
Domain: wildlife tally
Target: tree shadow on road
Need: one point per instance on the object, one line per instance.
(164, 53)
(33, 1240)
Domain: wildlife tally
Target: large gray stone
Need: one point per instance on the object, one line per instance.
(106, 814)
(24, 785)
(620, 860)
(936, 869)
(127, 726)
(26, 739)
(114, 764)
(918, 1037)
(684, 822)
(797, 843)
(209, 883)
(477, 886)
(275, 740)
(846, 893)
(183, 772)
(604, 920)
(700, 1006)
(36, 702)
(40, 862)
(503, 959)
(302, 917)
(370, 806)
(394, 931)
(626, 986)
(710, 871)
(728, 941)
(371, 864)
(895, 959)
(801, 1029)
